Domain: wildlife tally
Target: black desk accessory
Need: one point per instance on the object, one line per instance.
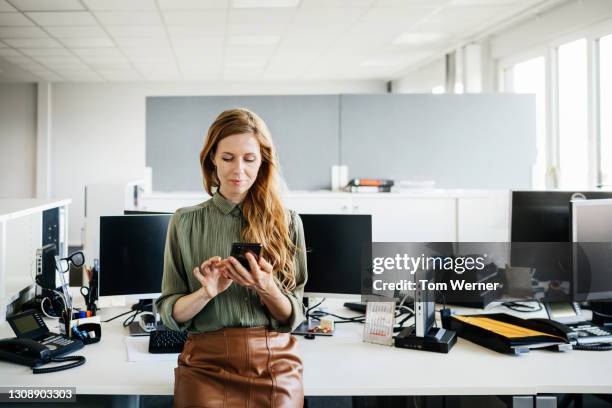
(35, 345)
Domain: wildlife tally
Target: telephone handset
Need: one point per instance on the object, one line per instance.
(24, 351)
(35, 345)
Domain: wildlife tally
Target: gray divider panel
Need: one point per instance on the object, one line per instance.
(460, 141)
(305, 129)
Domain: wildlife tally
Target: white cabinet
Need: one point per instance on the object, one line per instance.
(313, 203)
(408, 219)
(484, 218)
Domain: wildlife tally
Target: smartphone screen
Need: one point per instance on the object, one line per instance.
(239, 250)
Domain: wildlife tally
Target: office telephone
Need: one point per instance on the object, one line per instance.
(582, 336)
(35, 345)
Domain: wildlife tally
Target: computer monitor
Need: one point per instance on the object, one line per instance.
(544, 216)
(132, 255)
(592, 266)
(335, 246)
(143, 212)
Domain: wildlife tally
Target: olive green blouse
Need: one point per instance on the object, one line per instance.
(198, 233)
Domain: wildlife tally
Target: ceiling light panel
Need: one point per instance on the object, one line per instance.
(76, 31)
(48, 5)
(265, 3)
(114, 5)
(32, 42)
(192, 4)
(62, 18)
(128, 17)
(22, 32)
(14, 19)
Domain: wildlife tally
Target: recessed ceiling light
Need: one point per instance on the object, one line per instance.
(264, 3)
(416, 38)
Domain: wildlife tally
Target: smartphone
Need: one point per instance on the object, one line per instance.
(239, 250)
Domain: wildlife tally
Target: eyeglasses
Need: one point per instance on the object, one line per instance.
(77, 259)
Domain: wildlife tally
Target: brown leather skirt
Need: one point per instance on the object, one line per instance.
(239, 367)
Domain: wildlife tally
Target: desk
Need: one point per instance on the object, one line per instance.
(344, 365)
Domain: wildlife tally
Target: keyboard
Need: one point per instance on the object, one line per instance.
(166, 341)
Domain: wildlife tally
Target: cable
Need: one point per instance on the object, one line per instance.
(523, 306)
(77, 361)
(42, 308)
(118, 316)
(593, 347)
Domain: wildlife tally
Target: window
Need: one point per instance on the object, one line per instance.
(529, 77)
(573, 130)
(605, 109)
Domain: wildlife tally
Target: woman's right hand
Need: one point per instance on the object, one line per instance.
(211, 277)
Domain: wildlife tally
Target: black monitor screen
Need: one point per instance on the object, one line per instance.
(544, 216)
(335, 245)
(132, 254)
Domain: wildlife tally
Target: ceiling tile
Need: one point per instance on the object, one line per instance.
(410, 3)
(76, 31)
(198, 42)
(5, 7)
(120, 75)
(335, 3)
(9, 52)
(40, 52)
(17, 59)
(137, 31)
(22, 32)
(62, 18)
(216, 29)
(192, 4)
(128, 17)
(88, 42)
(194, 18)
(120, 4)
(142, 42)
(80, 76)
(14, 19)
(48, 5)
(98, 52)
(252, 40)
(32, 42)
(278, 18)
(264, 3)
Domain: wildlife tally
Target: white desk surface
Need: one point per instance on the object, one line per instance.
(344, 365)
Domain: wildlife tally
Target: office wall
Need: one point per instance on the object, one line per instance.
(423, 79)
(99, 128)
(549, 26)
(17, 140)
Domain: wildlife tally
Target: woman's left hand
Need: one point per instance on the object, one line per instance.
(260, 277)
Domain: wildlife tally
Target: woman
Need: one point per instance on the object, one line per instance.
(239, 351)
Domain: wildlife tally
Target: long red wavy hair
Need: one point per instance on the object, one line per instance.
(267, 220)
